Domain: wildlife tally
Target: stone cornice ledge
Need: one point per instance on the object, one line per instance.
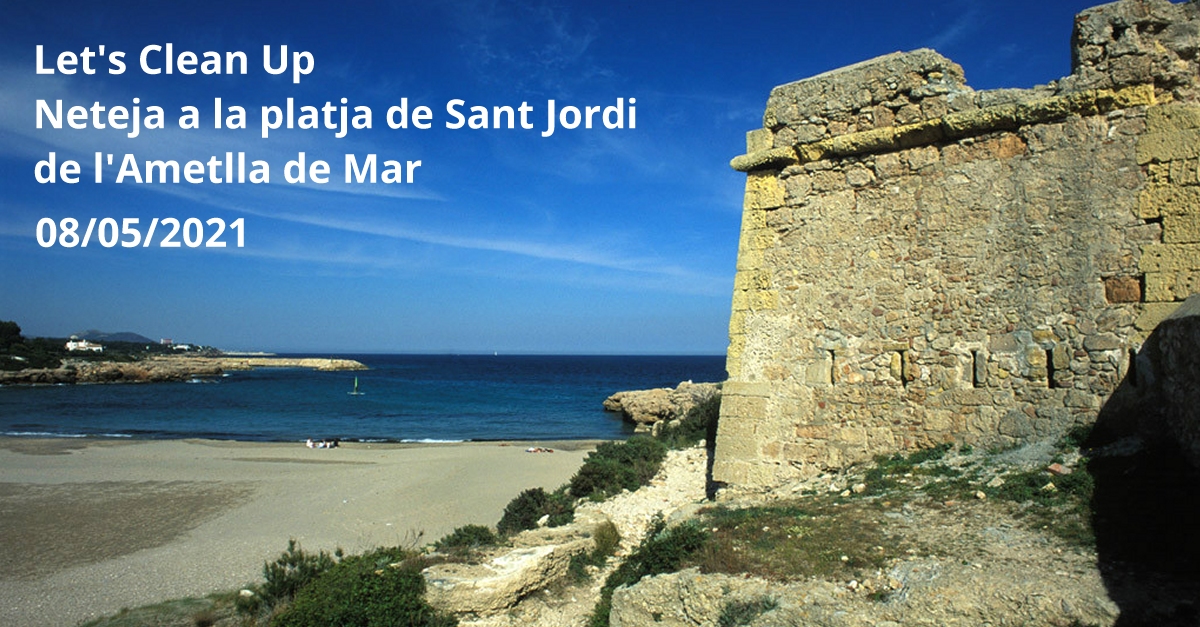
(950, 127)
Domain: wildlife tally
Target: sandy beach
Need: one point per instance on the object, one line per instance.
(88, 527)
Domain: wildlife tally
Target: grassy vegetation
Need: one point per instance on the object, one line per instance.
(606, 539)
(524, 511)
(383, 588)
(742, 613)
(188, 612)
(812, 537)
(283, 578)
(467, 539)
(699, 425)
(1059, 504)
(662, 551)
(617, 466)
(612, 468)
(380, 588)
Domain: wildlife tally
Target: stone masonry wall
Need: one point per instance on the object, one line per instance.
(922, 263)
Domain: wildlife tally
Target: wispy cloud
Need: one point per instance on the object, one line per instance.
(960, 28)
(538, 47)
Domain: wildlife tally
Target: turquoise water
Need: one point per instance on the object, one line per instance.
(404, 398)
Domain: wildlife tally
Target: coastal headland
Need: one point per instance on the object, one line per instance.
(90, 526)
(165, 368)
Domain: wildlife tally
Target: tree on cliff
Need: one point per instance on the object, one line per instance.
(10, 334)
(17, 353)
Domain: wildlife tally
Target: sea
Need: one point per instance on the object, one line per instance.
(403, 398)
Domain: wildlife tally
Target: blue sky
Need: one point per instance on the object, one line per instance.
(586, 241)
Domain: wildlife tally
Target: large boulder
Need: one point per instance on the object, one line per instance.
(646, 407)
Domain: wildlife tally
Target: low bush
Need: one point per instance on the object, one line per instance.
(377, 589)
(524, 511)
(466, 538)
(617, 466)
(699, 425)
(742, 613)
(611, 468)
(606, 538)
(284, 577)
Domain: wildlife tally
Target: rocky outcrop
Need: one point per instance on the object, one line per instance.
(928, 591)
(159, 369)
(646, 407)
(316, 363)
(149, 371)
(539, 558)
(676, 490)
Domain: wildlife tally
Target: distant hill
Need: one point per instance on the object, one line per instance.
(124, 336)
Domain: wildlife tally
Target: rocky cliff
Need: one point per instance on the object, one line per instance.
(647, 407)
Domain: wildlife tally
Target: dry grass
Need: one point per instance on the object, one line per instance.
(808, 538)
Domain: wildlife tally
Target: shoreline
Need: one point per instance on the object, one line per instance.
(91, 525)
(165, 368)
(84, 438)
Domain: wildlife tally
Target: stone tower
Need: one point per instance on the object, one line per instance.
(922, 263)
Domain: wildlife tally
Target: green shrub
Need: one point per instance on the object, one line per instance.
(700, 424)
(467, 537)
(617, 466)
(663, 551)
(882, 477)
(376, 589)
(607, 539)
(742, 613)
(284, 577)
(524, 511)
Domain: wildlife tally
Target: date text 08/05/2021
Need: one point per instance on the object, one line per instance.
(127, 233)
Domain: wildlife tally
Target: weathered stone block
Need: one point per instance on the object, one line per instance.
(819, 373)
(753, 219)
(1169, 286)
(764, 300)
(746, 388)
(508, 575)
(1182, 229)
(1154, 313)
(1102, 342)
(1122, 289)
(1159, 200)
(763, 190)
(855, 436)
(1170, 258)
(749, 259)
(1173, 117)
(759, 139)
(1168, 146)
(1184, 172)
